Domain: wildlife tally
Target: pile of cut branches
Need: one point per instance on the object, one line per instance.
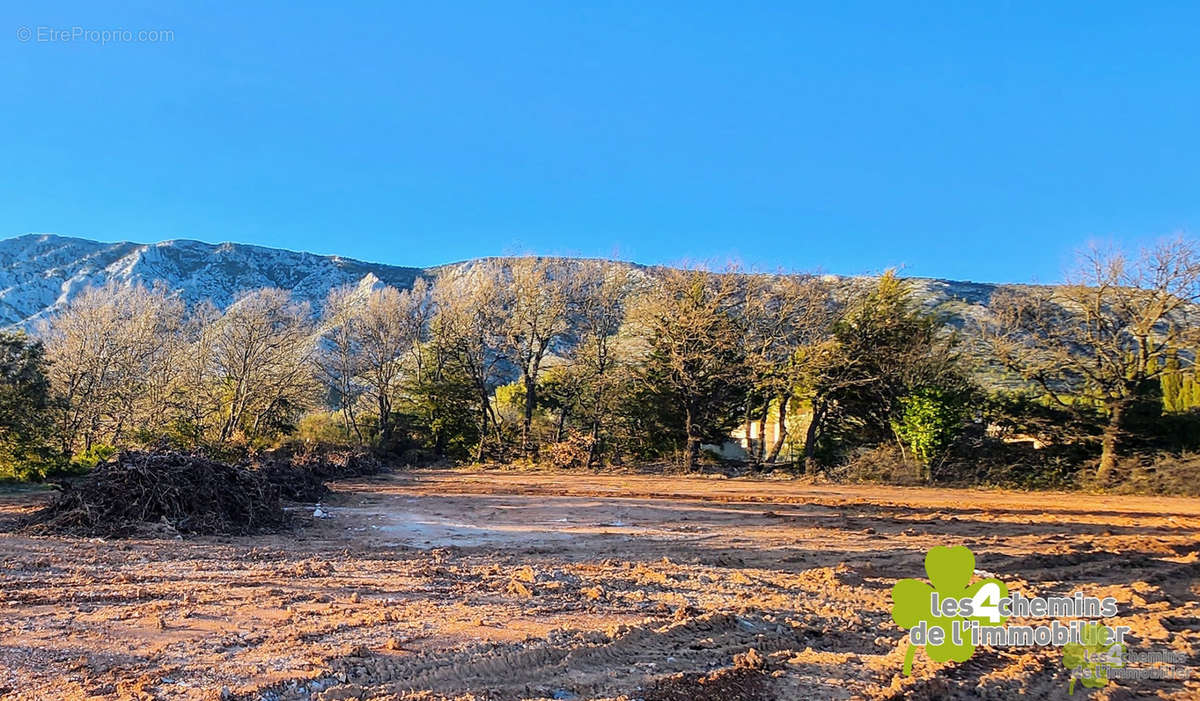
(294, 482)
(184, 494)
(328, 462)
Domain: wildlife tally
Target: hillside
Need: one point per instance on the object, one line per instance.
(41, 272)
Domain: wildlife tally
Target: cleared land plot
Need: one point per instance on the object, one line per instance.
(508, 585)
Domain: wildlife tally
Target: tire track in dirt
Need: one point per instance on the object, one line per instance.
(574, 664)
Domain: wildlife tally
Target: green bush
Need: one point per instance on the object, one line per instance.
(441, 414)
(90, 458)
(929, 422)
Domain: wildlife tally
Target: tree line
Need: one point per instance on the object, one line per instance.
(581, 363)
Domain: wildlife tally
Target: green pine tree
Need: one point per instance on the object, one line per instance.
(25, 406)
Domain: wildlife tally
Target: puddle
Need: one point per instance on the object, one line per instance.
(426, 523)
(424, 531)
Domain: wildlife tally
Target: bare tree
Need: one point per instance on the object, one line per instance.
(467, 329)
(372, 336)
(339, 359)
(390, 326)
(262, 351)
(594, 361)
(110, 356)
(1104, 334)
(195, 398)
(537, 296)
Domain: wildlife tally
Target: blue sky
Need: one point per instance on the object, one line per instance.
(980, 141)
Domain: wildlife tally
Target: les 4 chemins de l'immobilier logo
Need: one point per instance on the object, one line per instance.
(951, 615)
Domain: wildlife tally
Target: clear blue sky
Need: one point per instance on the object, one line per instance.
(969, 140)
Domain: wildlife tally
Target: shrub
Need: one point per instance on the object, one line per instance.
(979, 459)
(573, 452)
(880, 464)
(90, 458)
(1165, 473)
(323, 427)
(929, 422)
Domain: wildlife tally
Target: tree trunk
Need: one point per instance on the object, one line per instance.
(692, 444)
(690, 451)
(236, 408)
(761, 449)
(749, 423)
(810, 437)
(562, 424)
(348, 418)
(483, 424)
(120, 428)
(354, 422)
(526, 427)
(495, 425)
(1108, 443)
(594, 448)
(782, 426)
(385, 418)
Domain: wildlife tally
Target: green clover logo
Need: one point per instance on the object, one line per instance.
(949, 571)
(1090, 659)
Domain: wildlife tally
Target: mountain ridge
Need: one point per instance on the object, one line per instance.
(41, 272)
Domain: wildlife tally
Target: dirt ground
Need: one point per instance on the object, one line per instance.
(512, 585)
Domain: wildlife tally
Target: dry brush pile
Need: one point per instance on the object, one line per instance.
(184, 493)
(300, 472)
(141, 493)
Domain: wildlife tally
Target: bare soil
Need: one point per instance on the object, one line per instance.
(512, 585)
